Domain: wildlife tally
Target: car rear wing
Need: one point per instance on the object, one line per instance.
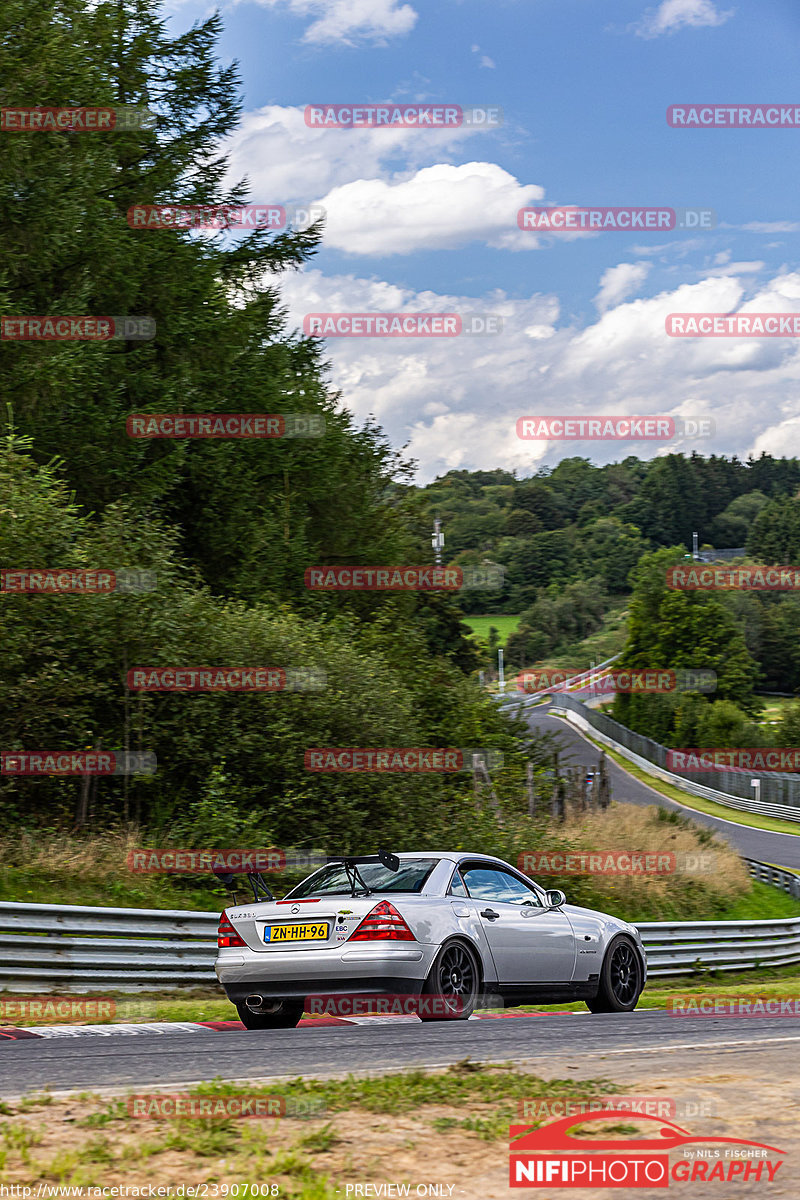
(256, 880)
(351, 863)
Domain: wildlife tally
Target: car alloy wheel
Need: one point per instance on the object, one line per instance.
(453, 984)
(624, 972)
(620, 979)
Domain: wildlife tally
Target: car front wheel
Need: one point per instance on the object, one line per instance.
(621, 979)
(278, 1014)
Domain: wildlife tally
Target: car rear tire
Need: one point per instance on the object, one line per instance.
(454, 980)
(621, 979)
(283, 1014)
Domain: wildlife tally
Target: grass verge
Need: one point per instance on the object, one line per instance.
(60, 867)
(393, 1124)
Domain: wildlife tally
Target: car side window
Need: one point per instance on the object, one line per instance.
(493, 883)
(457, 885)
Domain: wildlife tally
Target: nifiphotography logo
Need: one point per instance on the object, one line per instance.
(551, 1157)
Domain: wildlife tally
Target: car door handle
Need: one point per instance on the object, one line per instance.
(490, 914)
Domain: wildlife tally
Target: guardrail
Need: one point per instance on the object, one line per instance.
(683, 947)
(787, 881)
(651, 757)
(53, 948)
(524, 699)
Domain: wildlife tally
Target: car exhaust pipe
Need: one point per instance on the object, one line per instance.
(254, 1002)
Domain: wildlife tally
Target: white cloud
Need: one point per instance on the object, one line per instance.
(485, 60)
(287, 160)
(379, 194)
(456, 400)
(351, 22)
(439, 207)
(772, 226)
(619, 282)
(672, 15)
(736, 268)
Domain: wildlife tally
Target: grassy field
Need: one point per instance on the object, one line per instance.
(606, 641)
(775, 708)
(481, 623)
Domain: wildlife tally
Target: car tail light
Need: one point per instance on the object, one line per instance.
(226, 934)
(383, 924)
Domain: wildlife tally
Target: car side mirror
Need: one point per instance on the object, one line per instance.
(555, 898)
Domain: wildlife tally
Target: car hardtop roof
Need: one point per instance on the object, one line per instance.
(451, 855)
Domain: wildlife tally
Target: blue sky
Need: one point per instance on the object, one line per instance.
(426, 221)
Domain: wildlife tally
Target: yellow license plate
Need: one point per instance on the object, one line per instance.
(296, 933)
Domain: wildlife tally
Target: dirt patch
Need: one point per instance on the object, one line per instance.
(457, 1150)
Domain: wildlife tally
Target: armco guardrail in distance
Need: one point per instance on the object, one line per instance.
(523, 699)
(779, 793)
(712, 556)
(777, 877)
(53, 949)
(680, 948)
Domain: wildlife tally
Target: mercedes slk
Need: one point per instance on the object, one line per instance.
(458, 930)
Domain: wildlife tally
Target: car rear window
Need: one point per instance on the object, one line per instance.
(333, 881)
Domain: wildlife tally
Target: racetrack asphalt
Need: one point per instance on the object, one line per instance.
(583, 1040)
(782, 849)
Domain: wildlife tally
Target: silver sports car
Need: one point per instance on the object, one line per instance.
(459, 930)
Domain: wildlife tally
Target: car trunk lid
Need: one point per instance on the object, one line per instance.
(315, 923)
